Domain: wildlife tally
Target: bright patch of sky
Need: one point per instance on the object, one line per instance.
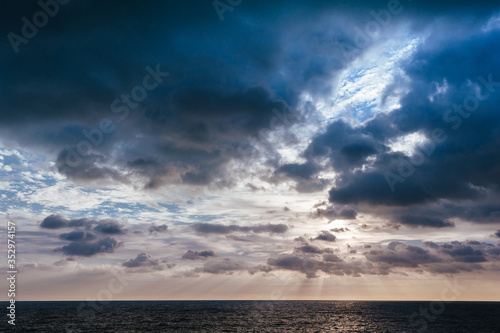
(358, 97)
(408, 144)
(32, 189)
(492, 24)
(361, 86)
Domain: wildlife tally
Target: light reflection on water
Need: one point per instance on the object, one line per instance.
(251, 316)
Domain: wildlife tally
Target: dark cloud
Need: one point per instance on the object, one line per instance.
(295, 263)
(455, 173)
(56, 221)
(336, 213)
(305, 176)
(467, 252)
(485, 212)
(398, 254)
(345, 147)
(330, 257)
(89, 249)
(310, 249)
(271, 228)
(90, 168)
(445, 173)
(372, 188)
(436, 258)
(82, 242)
(497, 234)
(195, 255)
(204, 110)
(193, 123)
(395, 257)
(224, 87)
(294, 170)
(143, 260)
(110, 227)
(329, 264)
(207, 228)
(105, 226)
(325, 236)
(157, 228)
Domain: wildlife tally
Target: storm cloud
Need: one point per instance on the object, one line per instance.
(195, 255)
(157, 228)
(110, 227)
(56, 221)
(287, 136)
(89, 249)
(444, 258)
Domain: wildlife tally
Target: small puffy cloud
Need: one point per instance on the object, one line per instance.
(54, 222)
(207, 228)
(325, 236)
(143, 260)
(84, 243)
(311, 249)
(195, 255)
(89, 249)
(157, 228)
(271, 228)
(110, 227)
(106, 226)
(57, 221)
(334, 213)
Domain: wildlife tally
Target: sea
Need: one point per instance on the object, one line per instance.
(253, 316)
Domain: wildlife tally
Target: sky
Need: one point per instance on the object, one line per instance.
(233, 150)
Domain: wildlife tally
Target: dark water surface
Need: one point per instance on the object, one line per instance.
(252, 316)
